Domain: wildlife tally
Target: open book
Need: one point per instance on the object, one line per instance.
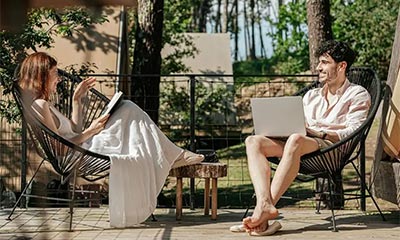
(113, 104)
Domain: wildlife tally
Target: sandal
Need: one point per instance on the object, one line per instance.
(272, 229)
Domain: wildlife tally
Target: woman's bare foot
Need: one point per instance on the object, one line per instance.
(188, 158)
(262, 213)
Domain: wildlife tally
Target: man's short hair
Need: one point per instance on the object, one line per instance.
(339, 51)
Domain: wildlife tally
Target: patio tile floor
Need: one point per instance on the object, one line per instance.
(92, 223)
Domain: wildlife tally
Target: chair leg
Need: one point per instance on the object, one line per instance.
(320, 189)
(248, 206)
(331, 193)
(369, 192)
(72, 201)
(375, 203)
(24, 191)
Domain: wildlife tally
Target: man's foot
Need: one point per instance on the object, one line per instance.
(188, 158)
(266, 230)
(260, 228)
(260, 216)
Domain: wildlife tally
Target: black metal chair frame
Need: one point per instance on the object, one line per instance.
(67, 159)
(330, 161)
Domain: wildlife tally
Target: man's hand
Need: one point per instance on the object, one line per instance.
(313, 133)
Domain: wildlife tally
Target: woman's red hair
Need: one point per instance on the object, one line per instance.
(34, 74)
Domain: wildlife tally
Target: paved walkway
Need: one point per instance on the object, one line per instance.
(92, 223)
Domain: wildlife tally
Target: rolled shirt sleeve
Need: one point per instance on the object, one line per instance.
(357, 114)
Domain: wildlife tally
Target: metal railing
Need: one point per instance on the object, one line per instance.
(192, 112)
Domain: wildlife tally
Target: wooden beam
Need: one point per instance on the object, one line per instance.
(385, 169)
(13, 12)
(64, 3)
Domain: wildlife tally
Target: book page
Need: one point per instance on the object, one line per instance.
(113, 102)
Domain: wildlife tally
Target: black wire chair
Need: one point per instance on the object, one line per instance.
(67, 159)
(329, 162)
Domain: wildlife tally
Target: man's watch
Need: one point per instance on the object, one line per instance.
(324, 135)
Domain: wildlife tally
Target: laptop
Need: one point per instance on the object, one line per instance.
(278, 116)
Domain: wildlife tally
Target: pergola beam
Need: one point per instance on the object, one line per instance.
(13, 12)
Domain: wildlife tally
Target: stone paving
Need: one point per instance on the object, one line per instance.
(92, 223)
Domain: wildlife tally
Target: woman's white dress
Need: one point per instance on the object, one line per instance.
(141, 157)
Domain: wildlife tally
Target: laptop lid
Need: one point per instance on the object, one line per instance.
(278, 116)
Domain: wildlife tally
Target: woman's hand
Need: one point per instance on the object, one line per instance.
(98, 125)
(95, 127)
(82, 89)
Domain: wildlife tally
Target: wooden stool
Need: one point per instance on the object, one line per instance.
(202, 170)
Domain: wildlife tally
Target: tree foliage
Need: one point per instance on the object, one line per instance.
(290, 42)
(369, 26)
(41, 27)
(177, 21)
(211, 103)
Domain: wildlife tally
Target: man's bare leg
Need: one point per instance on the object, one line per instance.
(265, 210)
(289, 164)
(257, 148)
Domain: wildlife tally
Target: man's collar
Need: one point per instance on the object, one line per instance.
(339, 91)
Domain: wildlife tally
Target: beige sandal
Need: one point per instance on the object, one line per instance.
(272, 229)
(237, 228)
(187, 158)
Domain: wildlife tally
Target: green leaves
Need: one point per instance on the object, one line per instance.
(9, 110)
(369, 26)
(41, 27)
(210, 100)
(177, 20)
(290, 41)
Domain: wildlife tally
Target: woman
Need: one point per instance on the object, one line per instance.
(141, 155)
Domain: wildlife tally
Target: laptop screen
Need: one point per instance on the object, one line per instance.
(278, 116)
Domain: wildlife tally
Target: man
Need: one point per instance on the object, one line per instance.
(332, 112)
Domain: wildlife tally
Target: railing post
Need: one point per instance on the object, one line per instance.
(23, 161)
(362, 173)
(192, 134)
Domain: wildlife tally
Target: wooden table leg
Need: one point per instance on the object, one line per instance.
(179, 186)
(206, 196)
(214, 202)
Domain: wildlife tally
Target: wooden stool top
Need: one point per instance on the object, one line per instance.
(202, 170)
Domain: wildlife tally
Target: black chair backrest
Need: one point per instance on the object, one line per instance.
(64, 155)
(333, 158)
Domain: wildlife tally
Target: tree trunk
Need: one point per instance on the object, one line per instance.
(263, 51)
(252, 26)
(218, 26)
(236, 29)
(320, 30)
(246, 32)
(204, 11)
(145, 91)
(225, 17)
(319, 27)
